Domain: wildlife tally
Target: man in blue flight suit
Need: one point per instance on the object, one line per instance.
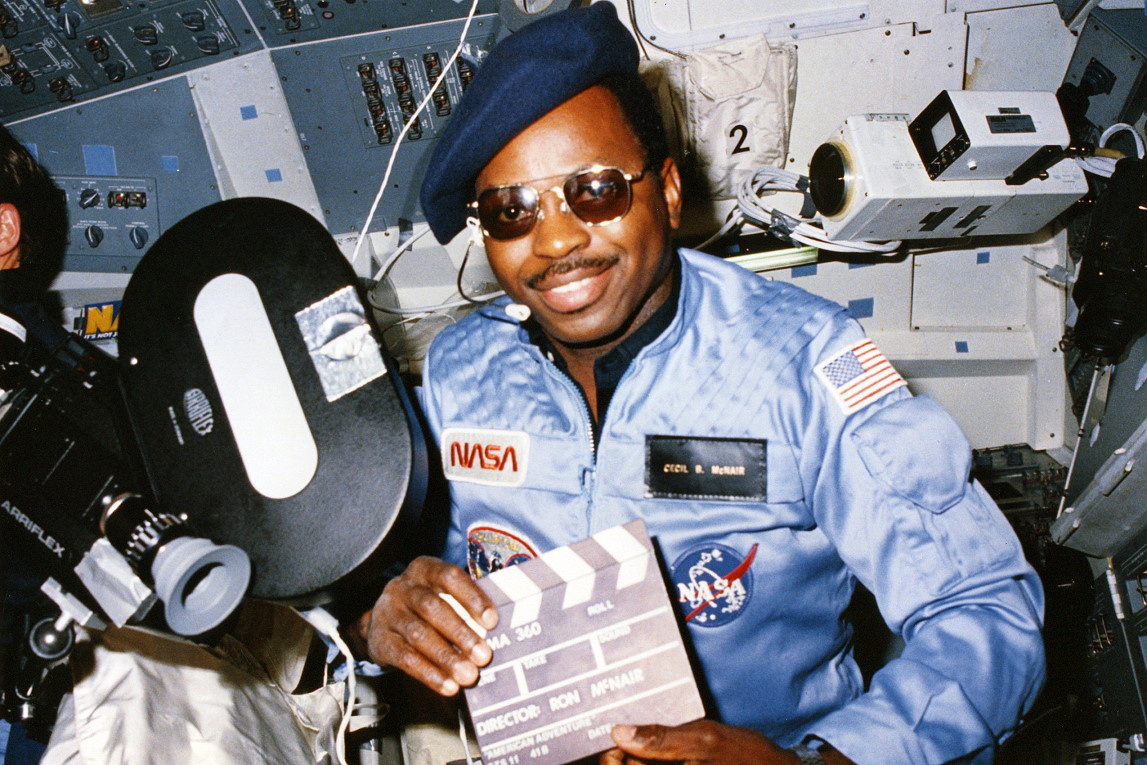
(636, 361)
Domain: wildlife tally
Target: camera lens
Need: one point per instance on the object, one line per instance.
(828, 184)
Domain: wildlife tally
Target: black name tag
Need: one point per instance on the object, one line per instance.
(678, 467)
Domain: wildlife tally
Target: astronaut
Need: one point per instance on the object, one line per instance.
(775, 455)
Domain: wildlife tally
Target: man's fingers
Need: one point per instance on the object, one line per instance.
(466, 592)
(412, 626)
(421, 669)
(612, 757)
(692, 741)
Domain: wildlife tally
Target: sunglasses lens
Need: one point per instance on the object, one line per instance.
(509, 212)
(598, 196)
(595, 196)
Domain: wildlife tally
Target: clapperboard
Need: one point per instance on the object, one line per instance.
(586, 639)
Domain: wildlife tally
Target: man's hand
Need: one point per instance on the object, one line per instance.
(413, 628)
(702, 742)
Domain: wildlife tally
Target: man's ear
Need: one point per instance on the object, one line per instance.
(9, 234)
(671, 188)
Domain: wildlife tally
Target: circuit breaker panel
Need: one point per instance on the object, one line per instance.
(350, 99)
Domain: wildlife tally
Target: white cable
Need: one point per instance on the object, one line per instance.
(326, 624)
(399, 251)
(1105, 166)
(465, 740)
(751, 208)
(406, 128)
(430, 309)
(1120, 127)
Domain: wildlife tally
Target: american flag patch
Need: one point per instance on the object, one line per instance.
(859, 375)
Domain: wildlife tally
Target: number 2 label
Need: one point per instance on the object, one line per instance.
(743, 133)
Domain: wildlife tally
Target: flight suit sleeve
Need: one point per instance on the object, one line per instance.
(454, 548)
(891, 489)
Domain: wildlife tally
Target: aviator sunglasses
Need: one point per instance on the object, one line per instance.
(597, 196)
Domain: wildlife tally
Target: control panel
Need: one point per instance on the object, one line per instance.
(130, 166)
(350, 128)
(1117, 645)
(112, 219)
(54, 53)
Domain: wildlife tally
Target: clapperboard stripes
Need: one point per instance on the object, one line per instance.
(587, 639)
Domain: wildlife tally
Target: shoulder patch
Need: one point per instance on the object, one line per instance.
(489, 549)
(490, 457)
(859, 375)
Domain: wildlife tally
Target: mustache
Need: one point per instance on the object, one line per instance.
(565, 265)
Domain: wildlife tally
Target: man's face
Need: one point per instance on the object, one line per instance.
(585, 284)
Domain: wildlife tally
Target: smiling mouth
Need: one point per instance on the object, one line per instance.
(550, 279)
(572, 287)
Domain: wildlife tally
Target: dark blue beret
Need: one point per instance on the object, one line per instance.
(525, 76)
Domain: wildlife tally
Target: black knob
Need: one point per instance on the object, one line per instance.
(89, 198)
(94, 234)
(208, 44)
(162, 58)
(69, 22)
(194, 21)
(138, 237)
(146, 34)
(116, 71)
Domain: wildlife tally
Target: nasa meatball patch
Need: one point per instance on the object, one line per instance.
(714, 584)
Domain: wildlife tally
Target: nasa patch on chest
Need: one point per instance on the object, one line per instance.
(714, 583)
(490, 457)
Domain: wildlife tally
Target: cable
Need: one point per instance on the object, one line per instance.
(1121, 616)
(751, 208)
(399, 251)
(1120, 127)
(465, 740)
(326, 624)
(406, 128)
(642, 39)
(406, 247)
(431, 309)
(1103, 162)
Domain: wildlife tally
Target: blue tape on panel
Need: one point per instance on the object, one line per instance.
(862, 308)
(99, 159)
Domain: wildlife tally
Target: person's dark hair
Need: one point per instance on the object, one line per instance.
(25, 184)
(641, 113)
